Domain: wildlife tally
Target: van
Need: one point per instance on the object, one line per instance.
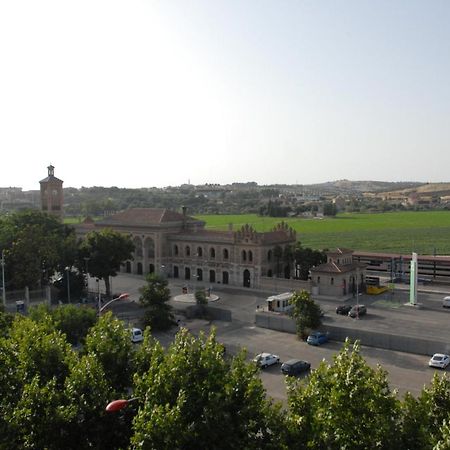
(137, 335)
(446, 302)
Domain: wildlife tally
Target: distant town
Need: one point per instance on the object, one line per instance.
(239, 198)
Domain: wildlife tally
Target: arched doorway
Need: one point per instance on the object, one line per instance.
(139, 268)
(151, 268)
(225, 278)
(199, 275)
(128, 267)
(212, 276)
(187, 273)
(246, 278)
(344, 286)
(287, 272)
(175, 272)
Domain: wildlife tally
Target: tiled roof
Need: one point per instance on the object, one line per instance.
(272, 237)
(332, 267)
(339, 251)
(144, 216)
(51, 178)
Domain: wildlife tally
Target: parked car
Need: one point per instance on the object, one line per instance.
(446, 302)
(343, 309)
(317, 338)
(264, 360)
(357, 311)
(295, 367)
(439, 360)
(137, 335)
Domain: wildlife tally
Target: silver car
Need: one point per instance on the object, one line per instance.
(439, 360)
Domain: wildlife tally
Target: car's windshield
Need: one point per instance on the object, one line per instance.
(437, 358)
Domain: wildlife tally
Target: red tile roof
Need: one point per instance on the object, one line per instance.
(144, 216)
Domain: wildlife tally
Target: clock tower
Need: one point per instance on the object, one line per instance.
(52, 194)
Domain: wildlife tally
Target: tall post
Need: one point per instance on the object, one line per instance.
(86, 259)
(413, 280)
(3, 279)
(98, 297)
(68, 284)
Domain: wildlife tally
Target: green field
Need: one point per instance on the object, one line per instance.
(397, 232)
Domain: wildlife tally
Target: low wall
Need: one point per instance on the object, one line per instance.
(416, 345)
(278, 285)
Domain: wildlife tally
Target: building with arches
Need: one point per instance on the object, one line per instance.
(178, 246)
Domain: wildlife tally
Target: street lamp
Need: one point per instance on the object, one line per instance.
(117, 405)
(3, 279)
(68, 284)
(120, 297)
(86, 259)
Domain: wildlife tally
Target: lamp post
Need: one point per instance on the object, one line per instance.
(3, 279)
(120, 297)
(86, 259)
(99, 300)
(68, 284)
(117, 405)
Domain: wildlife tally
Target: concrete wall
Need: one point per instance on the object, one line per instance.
(416, 345)
(279, 285)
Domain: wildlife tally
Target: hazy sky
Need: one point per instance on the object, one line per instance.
(156, 93)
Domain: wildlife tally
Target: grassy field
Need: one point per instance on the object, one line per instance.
(397, 232)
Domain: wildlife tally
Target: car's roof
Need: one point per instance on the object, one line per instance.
(262, 355)
(440, 355)
(136, 329)
(290, 362)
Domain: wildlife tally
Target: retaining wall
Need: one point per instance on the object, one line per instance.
(416, 345)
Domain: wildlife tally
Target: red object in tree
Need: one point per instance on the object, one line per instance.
(116, 405)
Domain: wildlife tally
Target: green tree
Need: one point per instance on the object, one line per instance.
(423, 417)
(278, 254)
(305, 259)
(154, 297)
(107, 250)
(346, 405)
(306, 313)
(201, 300)
(196, 399)
(73, 321)
(36, 245)
(110, 342)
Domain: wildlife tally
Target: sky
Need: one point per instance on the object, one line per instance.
(160, 93)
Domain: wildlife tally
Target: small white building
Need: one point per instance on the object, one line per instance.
(280, 302)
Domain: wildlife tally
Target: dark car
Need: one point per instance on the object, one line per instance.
(317, 338)
(357, 311)
(343, 309)
(295, 367)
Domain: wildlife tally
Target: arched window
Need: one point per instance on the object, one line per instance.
(332, 280)
(199, 251)
(175, 250)
(244, 255)
(250, 255)
(269, 255)
(212, 252)
(187, 250)
(225, 253)
(318, 280)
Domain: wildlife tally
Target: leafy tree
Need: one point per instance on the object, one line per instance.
(306, 313)
(346, 405)
(73, 321)
(195, 399)
(329, 209)
(107, 250)
(109, 341)
(36, 245)
(305, 258)
(278, 254)
(424, 417)
(201, 300)
(154, 297)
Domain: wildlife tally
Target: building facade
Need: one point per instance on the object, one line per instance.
(178, 246)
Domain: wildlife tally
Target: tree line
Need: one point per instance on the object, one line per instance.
(54, 388)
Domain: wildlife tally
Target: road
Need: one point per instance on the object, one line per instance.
(406, 372)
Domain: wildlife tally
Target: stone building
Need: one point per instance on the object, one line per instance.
(52, 194)
(339, 276)
(178, 246)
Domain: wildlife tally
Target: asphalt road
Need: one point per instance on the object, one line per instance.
(406, 372)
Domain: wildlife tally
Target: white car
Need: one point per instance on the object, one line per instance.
(137, 335)
(266, 359)
(439, 360)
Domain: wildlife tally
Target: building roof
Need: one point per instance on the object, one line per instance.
(144, 216)
(339, 251)
(331, 267)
